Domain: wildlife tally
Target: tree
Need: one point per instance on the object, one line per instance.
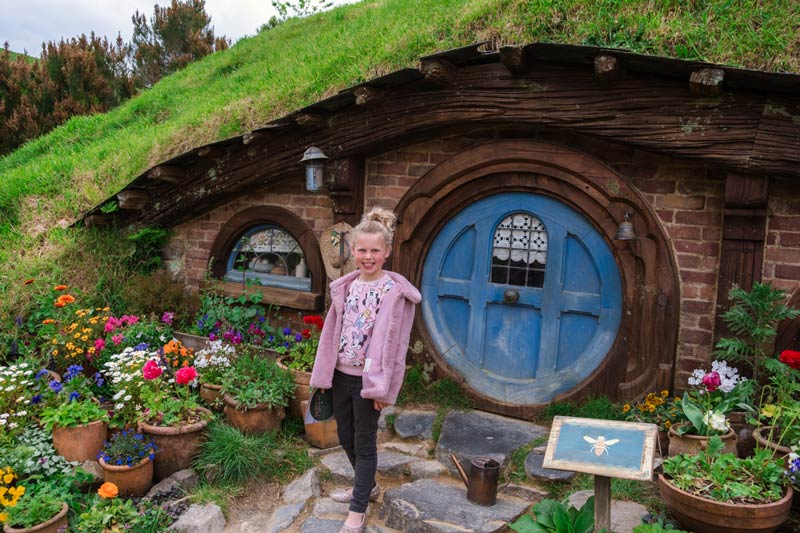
(295, 9)
(174, 37)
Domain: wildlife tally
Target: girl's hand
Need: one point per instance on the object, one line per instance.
(379, 405)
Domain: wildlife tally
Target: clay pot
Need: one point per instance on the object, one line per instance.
(693, 444)
(252, 420)
(762, 436)
(132, 481)
(80, 443)
(177, 446)
(58, 522)
(211, 394)
(321, 434)
(302, 390)
(708, 516)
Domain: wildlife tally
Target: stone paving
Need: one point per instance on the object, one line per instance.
(421, 493)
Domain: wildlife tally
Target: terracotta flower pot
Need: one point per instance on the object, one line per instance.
(80, 443)
(321, 434)
(177, 446)
(708, 516)
(693, 444)
(301, 389)
(762, 437)
(211, 394)
(252, 420)
(132, 481)
(53, 525)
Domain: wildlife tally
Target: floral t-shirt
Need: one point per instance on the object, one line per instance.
(360, 309)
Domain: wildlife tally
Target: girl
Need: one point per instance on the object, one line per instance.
(362, 354)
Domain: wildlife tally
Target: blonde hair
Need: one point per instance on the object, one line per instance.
(378, 220)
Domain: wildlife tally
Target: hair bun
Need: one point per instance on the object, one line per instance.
(384, 216)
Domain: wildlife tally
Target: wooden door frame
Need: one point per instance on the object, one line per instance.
(643, 354)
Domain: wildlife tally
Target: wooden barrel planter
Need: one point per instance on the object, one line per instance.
(193, 342)
(701, 515)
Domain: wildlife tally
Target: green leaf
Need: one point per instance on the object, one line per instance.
(692, 412)
(544, 511)
(561, 520)
(524, 524)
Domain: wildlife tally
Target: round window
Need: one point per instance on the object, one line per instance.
(268, 255)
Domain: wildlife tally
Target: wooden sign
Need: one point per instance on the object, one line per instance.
(601, 447)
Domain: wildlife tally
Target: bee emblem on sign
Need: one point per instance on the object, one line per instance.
(600, 445)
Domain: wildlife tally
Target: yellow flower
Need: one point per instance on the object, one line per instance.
(55, 352)
(664, 393)
(8, 477)
(3, 517)
(667, 424)
(651, 408)
(84, 338)
(769, 410)
(626, 408)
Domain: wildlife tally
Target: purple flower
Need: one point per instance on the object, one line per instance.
(141, 346)
(41, 373)
(98, 379)
(37, 398)
(18, 321)
(74, 395)
(56, 386)
(298, 337)
(167, 317)
(212, 337)
(262, 319)
(287, 331)
(72, 372)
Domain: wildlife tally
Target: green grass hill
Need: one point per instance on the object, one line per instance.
(49, 181)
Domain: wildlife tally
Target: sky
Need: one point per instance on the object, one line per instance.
(25, 24)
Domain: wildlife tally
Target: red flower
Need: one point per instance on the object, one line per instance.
(185, 375)
(151, 370)
(315, 320)
(791, 358)
(712, 381)
(306, 333)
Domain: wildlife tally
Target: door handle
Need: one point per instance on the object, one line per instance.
(510, 296)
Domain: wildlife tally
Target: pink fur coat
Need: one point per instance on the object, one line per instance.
(388, 344)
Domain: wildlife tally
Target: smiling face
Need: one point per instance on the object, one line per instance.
(370, 251)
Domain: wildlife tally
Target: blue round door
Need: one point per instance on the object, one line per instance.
(522, 297)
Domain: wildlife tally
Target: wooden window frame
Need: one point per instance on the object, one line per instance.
(232, 231)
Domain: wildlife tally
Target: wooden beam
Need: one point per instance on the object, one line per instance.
(211, 152)
(168, 173)
(95, 220)
(706, 82)
(347, 189)
(607, 70)
(252, 136)
(439, 72)
(513, 58)
(133, 199)
(368, 96)
(311, 120)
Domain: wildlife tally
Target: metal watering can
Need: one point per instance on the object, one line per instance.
(482, 481)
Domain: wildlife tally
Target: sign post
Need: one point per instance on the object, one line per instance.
(605, 448)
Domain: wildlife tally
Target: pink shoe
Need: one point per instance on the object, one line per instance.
(345, 495)
(356, 529)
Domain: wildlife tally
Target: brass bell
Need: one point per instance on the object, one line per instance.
(625, 230)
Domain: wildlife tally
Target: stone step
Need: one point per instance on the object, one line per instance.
(428, 506)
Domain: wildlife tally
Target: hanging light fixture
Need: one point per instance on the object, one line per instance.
(625, 230)
(314, 159)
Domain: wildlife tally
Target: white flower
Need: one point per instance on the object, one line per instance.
(119, 406)
(716, 421)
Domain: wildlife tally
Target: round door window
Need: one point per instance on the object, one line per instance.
(522, 296)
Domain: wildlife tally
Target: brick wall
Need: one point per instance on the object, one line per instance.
(782, 251)
(688, 199)
(188, 252)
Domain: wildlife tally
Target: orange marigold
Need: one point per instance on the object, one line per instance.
(64, 299)
(108, 490)
(48, 321)
(60, 288)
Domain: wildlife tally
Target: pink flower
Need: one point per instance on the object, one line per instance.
(168, 317)
(99, 344)
(185, 375)
(712, 381)
(117, 339)
(129, 319)
(151, 370)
